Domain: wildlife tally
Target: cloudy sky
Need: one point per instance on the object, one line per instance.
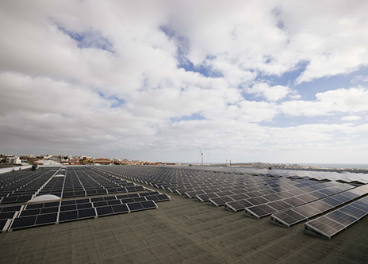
(275, 81)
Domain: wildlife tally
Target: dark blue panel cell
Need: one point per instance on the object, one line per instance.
(127, 200)
(108, 198)
(86, 213)
(139, 199)
(101, 191)
(34, 206)
(163, 197)
(133, 195)
(2, 223)
(11, 199)
(353, 211)
(342, 218)
(68, 216)
(149, 205)
(130, 188)
(24, 198)
(68, 208)
(70, 202)
(100, 204)
(49, 210)
(81, 201)
(23, 222)
(106, 210)
(52, 204)
(135, 207)
(7, 215)
(139, 188)
(30, 212)
(11, 208)
(84, 206)
(46, 219)
(97, 199)
(112, 202)
(120, 208)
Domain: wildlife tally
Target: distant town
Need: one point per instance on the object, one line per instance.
(70, 160)
(13, 160)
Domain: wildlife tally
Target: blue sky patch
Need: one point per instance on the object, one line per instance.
(114, 100)
(89, 39)
(195, 116)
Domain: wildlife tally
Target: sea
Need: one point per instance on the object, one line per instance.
(336, 165)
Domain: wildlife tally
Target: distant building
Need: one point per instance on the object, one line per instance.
(13, 160)
(102, 161)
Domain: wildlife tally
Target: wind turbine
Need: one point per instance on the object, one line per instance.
(201, 156)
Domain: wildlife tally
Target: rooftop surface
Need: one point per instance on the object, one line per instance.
(181, 231)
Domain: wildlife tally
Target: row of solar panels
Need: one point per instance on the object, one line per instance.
(287, 208)
(18, 217)
(47, 184)
(298, 214)
(334, 222)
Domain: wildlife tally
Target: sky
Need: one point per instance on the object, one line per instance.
(247, 81)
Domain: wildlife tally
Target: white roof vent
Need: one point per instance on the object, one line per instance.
(45, 198)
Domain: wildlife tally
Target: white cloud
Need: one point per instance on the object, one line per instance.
(273, 93)
(105, 77)
(351, 118)
(352, 100)
(359, 78)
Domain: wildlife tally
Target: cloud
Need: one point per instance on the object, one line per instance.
(351, 118)
(359, 78)
(352, 100)
(118, 78)
(273, 93)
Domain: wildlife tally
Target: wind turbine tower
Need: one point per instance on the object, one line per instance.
(202, 154)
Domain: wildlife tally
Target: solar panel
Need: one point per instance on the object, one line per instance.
(46, 219)
(86, 213)
(287, 218)
(320, 205)
(7, 215)
(294, 201)
(353, 211)
(307, 211)
(279, 205)
(149, 205)
(323, 226)
(259, 211)
(135, 207)
(68, 207)
(84, 206)
(127, 200)
(3, 223)
(342, 218)
(68, 216)
(120, 208)
(23, 222)
(30, 212)
(106, 210)
(112, 202)
(34, 206)
(49, 210)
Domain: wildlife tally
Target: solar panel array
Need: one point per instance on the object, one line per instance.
(18, 187)
(38, 214)
(336, 221)
(288, 200)
(307, 211)
(65, 183)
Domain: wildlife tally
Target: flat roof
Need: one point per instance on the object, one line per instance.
(181, 231)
